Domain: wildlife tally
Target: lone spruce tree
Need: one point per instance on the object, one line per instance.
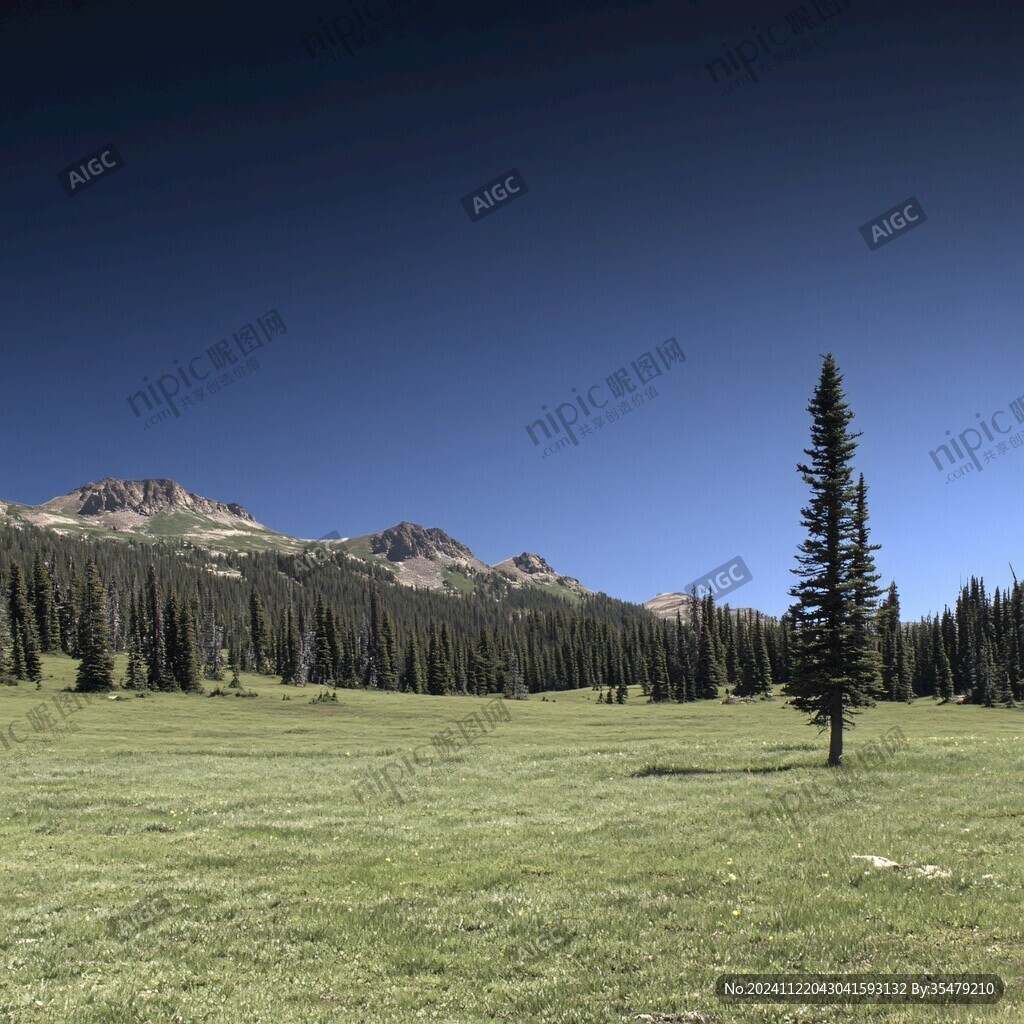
(833, 673)
(25, 662)
(155, 639)
(96, 671)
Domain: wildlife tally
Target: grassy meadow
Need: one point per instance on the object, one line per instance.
(179, 860)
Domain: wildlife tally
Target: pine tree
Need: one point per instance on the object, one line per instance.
(484, 665)
(1001, 645)
(684, 679)
(259, 634)
(901, 675)
(135, 670)
(889, 621)
(943, 670)
(379, 671)
(413, 677)
(322, 671)
(18, 656)
(5, 643)
(25, 662)
(388, 652)
(67, 611)
(438, 665)
(640, 674)
(862, 660)
(156, 645)
(745, 684)
(827, 674)
(172, 612)
(711, 674)
(659, 682)
(985, 691)
(1016, 630)
(621, 692)
(290, 652)
(515, 688)
(333, 645)
(47, 624)
(135, 673)
(732, 642)
(212, 647)
(182, 647)
(763, 672)
(96, 671)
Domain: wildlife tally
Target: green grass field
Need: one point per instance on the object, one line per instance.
(579, 863)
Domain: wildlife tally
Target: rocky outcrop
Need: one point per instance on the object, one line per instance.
(408, 540)
(528, 566)
(530, 563)
(143, 497)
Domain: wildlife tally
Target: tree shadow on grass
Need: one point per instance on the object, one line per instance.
(666, 769)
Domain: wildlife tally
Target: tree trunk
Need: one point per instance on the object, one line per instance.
(835, 743)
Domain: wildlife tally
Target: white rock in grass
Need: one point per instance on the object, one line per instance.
(672, 1018)
(878, 862)
(925, 871)
(933, 871)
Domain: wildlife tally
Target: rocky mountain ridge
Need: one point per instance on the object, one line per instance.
(161, 509)
(142, 497)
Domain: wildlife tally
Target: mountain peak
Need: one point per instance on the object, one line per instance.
(530, 563)
(533, 567)
(143, 497)
(410, 540)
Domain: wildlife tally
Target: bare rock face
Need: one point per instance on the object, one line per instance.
(408, 540)
(531, 564)
(143, 497)
(530, 567)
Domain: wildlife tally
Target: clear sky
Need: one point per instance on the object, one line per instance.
(420, 344)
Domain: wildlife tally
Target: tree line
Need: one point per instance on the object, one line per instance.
(176, 635)
(183, 616)
(182, 619)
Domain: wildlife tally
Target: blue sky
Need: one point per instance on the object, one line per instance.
(420, 345)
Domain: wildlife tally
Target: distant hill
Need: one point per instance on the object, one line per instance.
(153, 509)
(163, 510)
(666, 606)
(422, 557)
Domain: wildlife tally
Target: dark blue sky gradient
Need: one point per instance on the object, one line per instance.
(420, 345)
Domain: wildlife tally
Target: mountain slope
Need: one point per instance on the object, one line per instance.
(530, 569)
(666, 606)
(152, 509)
(421, 557)
(162, 510)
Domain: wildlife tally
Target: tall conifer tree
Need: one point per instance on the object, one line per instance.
(827, 675)
(96, 671)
